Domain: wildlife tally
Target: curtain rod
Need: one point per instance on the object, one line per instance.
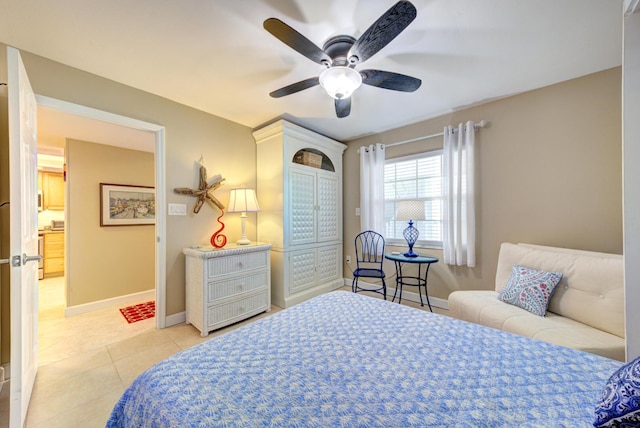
(476, 126)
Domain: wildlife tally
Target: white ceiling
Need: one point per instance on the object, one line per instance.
(215, 55)
(55, 126)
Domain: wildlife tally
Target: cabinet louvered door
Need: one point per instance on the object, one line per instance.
(329, 229)
(302, 208)
(302, 270)
(328, 263)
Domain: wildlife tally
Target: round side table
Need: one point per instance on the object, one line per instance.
(416, 281)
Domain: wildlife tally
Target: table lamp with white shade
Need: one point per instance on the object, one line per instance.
(243, 201)
(411, 211)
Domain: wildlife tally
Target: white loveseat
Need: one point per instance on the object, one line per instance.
(585, 312)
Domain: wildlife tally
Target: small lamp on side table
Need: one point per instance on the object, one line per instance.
(411, 211)
(243, 201)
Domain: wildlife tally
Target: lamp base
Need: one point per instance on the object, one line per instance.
(410, 253)
(411, 235)
(243, 238)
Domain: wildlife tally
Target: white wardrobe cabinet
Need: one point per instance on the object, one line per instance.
(299, 186)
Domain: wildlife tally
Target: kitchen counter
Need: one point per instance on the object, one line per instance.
(45, 231)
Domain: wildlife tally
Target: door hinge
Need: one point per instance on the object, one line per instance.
(16, 261)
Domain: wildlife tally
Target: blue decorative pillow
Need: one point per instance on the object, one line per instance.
(619, 405)
(530, 289)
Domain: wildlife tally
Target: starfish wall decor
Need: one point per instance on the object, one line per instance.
(203, 192)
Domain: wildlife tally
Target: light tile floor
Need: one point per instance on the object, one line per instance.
(86, 361)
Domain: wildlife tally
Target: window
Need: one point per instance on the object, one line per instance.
(417, 177)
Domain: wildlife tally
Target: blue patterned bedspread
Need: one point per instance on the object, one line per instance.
(345, 360)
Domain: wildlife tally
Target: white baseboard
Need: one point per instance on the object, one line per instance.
(3, 381)
(175, 319)
(412, 296)
(107, 303)
(6, 371)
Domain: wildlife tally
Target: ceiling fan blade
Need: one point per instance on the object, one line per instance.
(343, 107)
(296, 41)
(389, 80)
(296, 87)
(381, 32)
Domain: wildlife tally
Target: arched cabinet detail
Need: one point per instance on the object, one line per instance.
(313, 158)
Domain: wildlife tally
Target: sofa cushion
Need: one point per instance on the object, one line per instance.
(591, 290)
(530, 289)
(483, 307)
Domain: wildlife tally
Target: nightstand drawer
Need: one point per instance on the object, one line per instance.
(233, 287)
(238, 310)
(237, 263)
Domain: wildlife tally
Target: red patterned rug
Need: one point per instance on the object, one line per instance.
(139, 312)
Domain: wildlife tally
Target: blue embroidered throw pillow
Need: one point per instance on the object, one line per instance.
(619, 405)
(530, 289)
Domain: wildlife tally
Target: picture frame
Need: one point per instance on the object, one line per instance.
(127, 205)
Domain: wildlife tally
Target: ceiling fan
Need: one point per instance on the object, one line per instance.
(341, 54)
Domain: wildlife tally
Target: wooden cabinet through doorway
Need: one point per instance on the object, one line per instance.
(53, 254)
(52, 186)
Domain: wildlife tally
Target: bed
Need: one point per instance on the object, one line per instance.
(343, 359)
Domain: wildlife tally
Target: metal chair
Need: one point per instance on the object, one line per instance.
(369, 258)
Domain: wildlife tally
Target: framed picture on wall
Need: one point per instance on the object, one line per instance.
(127, 205)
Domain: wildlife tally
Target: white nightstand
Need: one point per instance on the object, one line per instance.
(227, 285)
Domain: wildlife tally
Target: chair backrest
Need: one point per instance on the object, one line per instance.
(369, 248)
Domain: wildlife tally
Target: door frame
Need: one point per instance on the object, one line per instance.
(160, 184)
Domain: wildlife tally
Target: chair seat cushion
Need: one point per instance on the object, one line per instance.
(370, 273)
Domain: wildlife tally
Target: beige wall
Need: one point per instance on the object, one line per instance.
(105, 262)
(227, 147)
(548, 172)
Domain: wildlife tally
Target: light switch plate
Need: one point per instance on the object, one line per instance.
(177, 209)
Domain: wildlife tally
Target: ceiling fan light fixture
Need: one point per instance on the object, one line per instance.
(340, 82)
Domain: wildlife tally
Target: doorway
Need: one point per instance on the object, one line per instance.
(132, 125)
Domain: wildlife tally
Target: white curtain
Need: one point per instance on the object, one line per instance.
(459, 227)
(372, 188)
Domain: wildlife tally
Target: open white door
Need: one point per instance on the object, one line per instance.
(23, 176)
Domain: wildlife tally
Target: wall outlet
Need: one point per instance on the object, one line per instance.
(348, 259)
